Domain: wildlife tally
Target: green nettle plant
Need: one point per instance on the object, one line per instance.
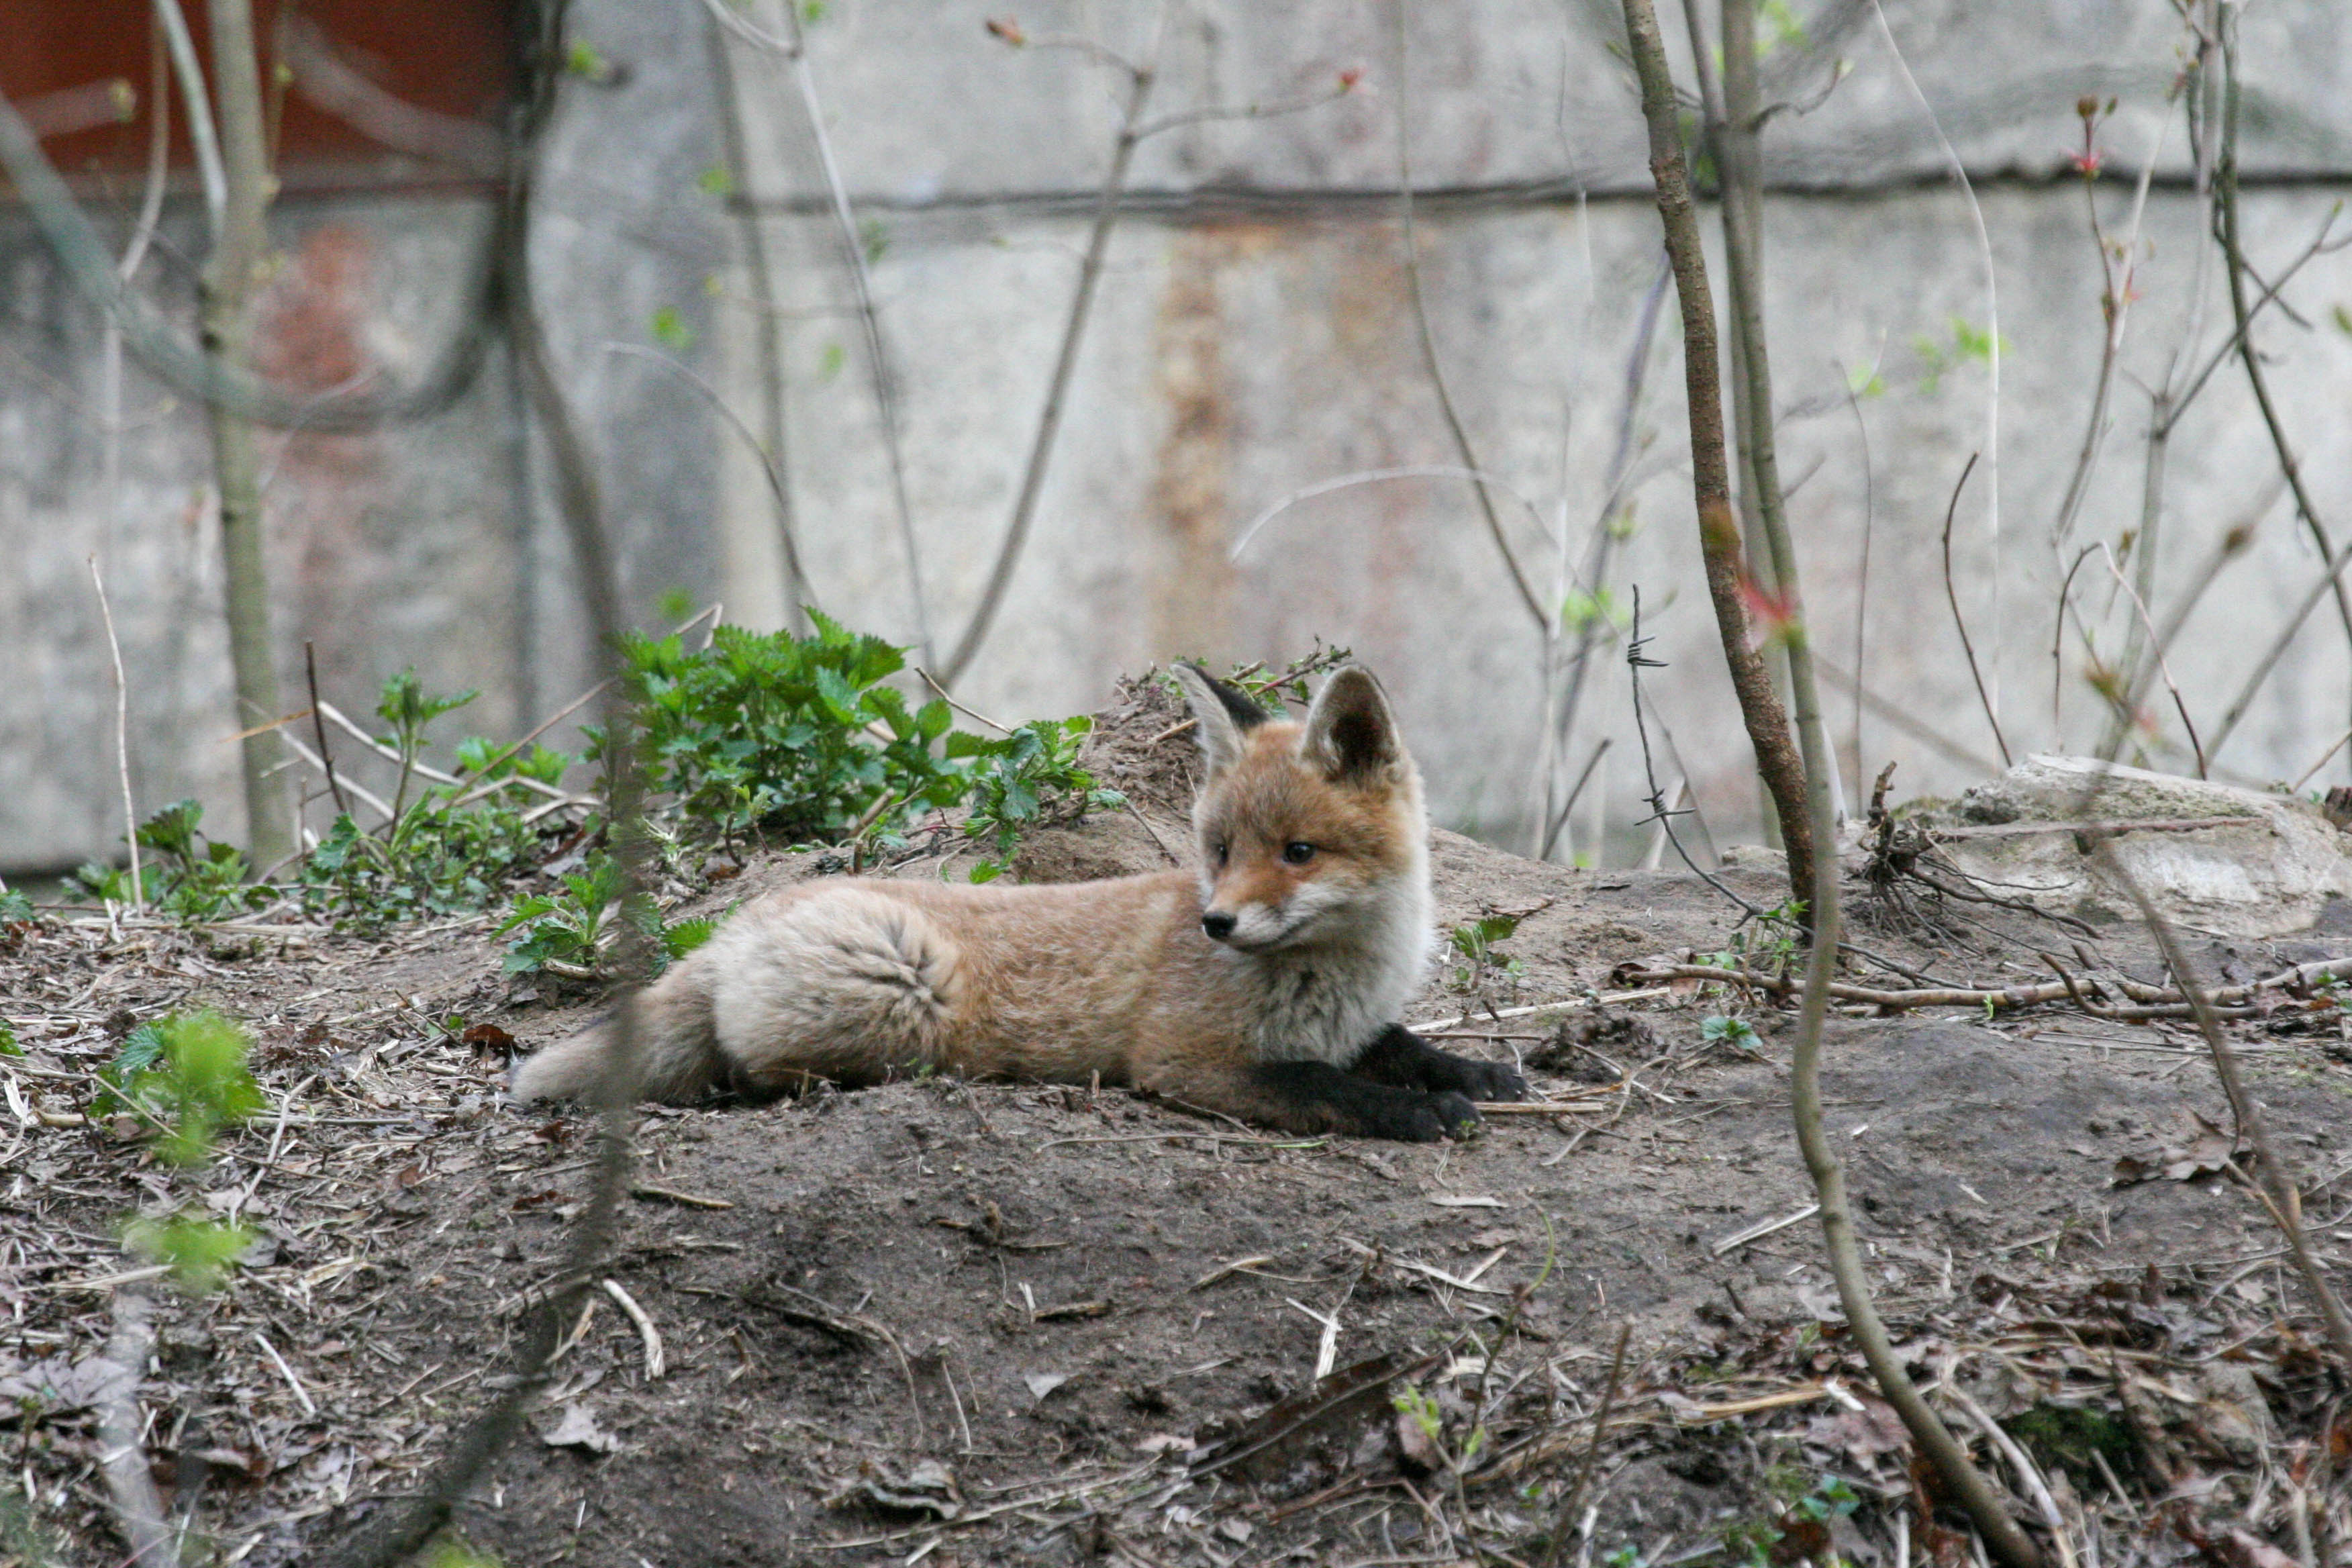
(404, 705)
(443, 853)
(794, 737)
(1024, 780)
(186, 875)
(566, 931)
(183, 1081)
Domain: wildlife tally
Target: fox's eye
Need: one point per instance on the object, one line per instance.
(1220, 854)
(1297, 853)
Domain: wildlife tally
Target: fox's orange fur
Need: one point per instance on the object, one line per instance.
(1246, 988)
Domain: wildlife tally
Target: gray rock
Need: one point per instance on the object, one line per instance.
(2258, 865)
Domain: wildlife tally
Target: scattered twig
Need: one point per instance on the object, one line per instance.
(302, 1394)
(1564, 1518)
(655, 1362)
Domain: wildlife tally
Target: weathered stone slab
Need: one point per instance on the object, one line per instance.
(2215, 857)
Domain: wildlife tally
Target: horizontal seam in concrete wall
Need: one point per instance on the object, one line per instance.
(1211, 202)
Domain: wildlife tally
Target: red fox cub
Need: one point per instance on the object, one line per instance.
(1268, 986)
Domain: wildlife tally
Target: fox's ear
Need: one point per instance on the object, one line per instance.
(1224, 714)
(1350, 733)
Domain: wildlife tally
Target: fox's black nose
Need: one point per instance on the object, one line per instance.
(1218, 924)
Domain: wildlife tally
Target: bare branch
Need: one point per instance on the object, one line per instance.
(1428, 340)
(1217, 114)
(1058, 387)
(182, 366)
(1249, 532)
(1817, 883)
(326, 80)
(2278, 1188)
(199, 102)
(1993, 332)
(797, 587)
(2226, 214)
(767, 323)
(2162, 667)
(1960, 621)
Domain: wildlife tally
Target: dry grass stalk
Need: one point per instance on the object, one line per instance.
(121, 739)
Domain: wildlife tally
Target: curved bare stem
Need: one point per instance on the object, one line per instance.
(402, 1527)
(861, 278)
(121, 739)
(797, 583)
(2233, 253)
(202, 137)
(2001, 1533)
(2164, 669)
(1993, 330)
(768, 328)
(1960, 621)
(2119, 265)
(1429, 341)
(185, 367)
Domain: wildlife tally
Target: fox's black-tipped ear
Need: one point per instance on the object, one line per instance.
(1350, 733)
(1224, 714)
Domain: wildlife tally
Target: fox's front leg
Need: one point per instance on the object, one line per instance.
(1398, 1055)
(1317, 1098)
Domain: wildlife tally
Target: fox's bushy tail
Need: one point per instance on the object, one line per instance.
(676, 1041)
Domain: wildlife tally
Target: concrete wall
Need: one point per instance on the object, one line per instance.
(1251, 337)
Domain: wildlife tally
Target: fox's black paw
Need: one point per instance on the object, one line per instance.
(1430, 1117)
(1490, 1081)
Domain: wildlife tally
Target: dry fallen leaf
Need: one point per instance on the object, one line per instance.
(575, 1428)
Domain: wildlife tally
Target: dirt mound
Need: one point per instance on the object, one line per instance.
(1142, 746)
(981, 1324)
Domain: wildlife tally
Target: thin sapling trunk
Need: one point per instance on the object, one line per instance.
(225, 297)
(1720, 543)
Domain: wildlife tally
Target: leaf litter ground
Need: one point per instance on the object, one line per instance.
(948, 1323)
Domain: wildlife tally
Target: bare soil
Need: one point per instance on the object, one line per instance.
(948, 1322)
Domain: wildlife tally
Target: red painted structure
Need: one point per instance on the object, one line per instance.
(363, 95)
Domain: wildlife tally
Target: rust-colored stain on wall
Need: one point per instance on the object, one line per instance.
(327, 491)
(1190, 480)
